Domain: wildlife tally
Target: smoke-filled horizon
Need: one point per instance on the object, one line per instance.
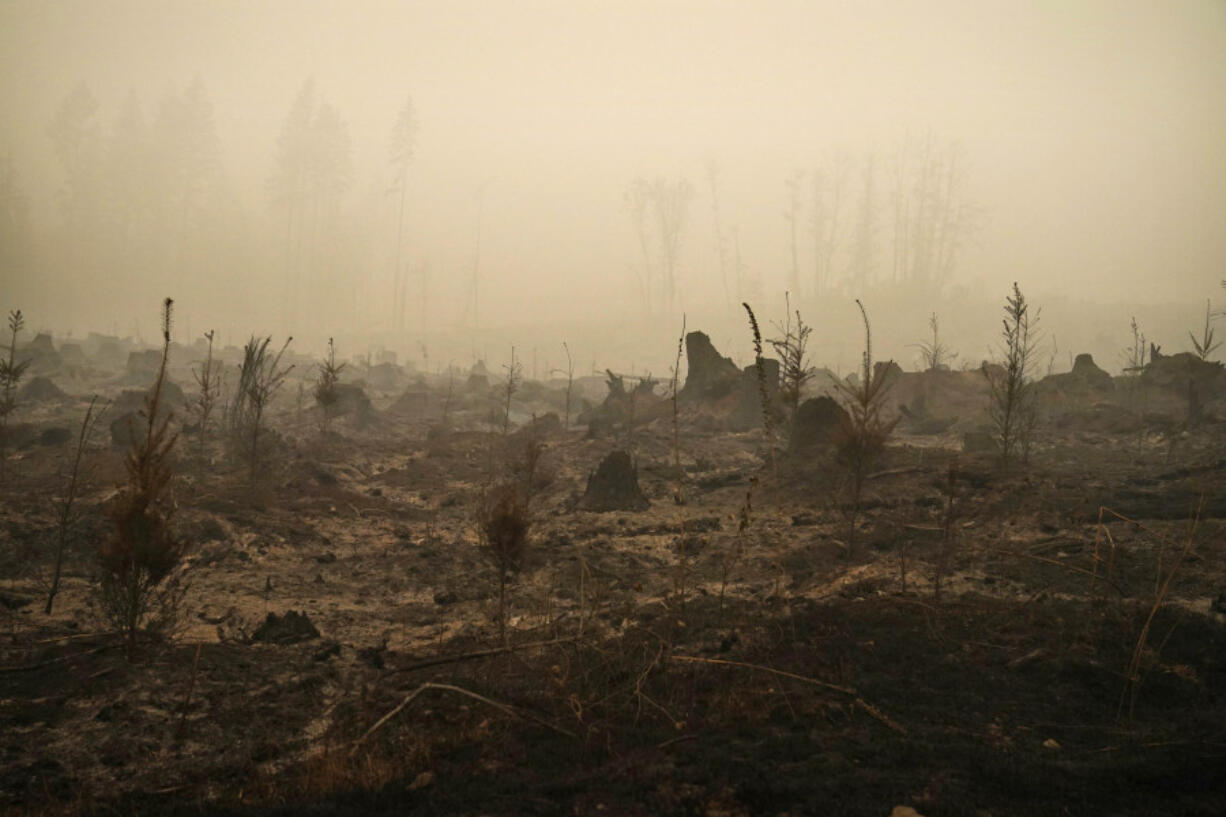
(391, 173)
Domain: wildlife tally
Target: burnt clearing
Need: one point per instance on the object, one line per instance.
(1042, 639)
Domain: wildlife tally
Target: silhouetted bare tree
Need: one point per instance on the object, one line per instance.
(932, 218)
(312, 170)
(721, 242)
(829, 192)
(659, 208)
(792, 216)
(76, 139)
(401, 154)
(863, 261)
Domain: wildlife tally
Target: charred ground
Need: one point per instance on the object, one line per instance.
(713, 653)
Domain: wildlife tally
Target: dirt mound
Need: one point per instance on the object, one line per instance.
(108, 351)
(817, 421)
(385, 377)
(1177, 371)
(614, 486)
(144, 361)
(351, 400)
(980, 441)
(414, 400)
(72, 354)
(40, 389)
(546, 425)
(919, 418)
(943, 395)
(1085, 376)
(131, 400)
(54, 436)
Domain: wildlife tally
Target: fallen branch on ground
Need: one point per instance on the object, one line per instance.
(501, 707)
(1073, 568)
(62, 659)
(472, 656)
(71, 637)
(871, 710)
(893, 472)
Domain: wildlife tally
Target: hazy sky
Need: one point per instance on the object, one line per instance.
(1095, 131)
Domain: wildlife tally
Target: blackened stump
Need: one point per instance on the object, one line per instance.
(291, 628)
(614, 486)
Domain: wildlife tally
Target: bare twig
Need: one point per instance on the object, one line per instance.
(65, 505)
(54, 661)
(679, 491)
(187, 700)
(893, 472)
(1073, 568)
(1133, 672)
(642, 696)
(868, 708)
(72, 637)
(472, 656)
(501, 707)
(862, 431)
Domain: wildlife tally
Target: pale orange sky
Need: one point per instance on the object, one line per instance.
(1095, 131)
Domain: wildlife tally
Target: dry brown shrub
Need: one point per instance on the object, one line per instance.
(503, 523)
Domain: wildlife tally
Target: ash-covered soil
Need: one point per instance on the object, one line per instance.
(734, 649)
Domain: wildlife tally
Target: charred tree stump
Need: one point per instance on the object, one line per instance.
(614, 486)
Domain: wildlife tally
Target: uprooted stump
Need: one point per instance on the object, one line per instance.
(291, 628)
(639, 405)
(614, 486)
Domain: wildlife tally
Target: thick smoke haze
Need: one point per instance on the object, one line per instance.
(1084, 146)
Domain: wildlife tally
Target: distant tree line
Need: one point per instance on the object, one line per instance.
(853, 223)
(145, 202)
